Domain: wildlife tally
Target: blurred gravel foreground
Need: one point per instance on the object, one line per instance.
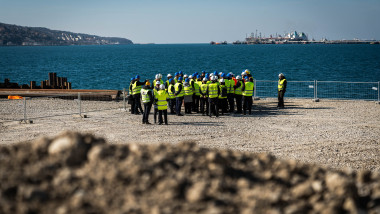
(80, 173)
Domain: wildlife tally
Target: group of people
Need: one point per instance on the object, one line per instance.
(205, 93)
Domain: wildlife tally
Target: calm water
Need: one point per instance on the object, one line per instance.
(111, 67)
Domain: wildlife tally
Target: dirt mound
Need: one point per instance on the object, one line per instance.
(75, 173)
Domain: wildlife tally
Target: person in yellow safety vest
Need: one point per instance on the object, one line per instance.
(161, 100)
(179, 93)
(130, 96)
(167, 83)
(171, 92)
(147, 99)
(222, 98)
(230, 83)
(188, 98)
(213, 92)
(158, 78)
(247, 94)
(155, 91)
(282, 82)
(203, 97)
(196, 93)
(176, 76)
(238, 95)
(136, 91)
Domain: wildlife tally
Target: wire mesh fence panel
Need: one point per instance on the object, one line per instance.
(296, 89)
(347, 90)
(49, 107)
(300, 89)
(11, 109)
(266, 88)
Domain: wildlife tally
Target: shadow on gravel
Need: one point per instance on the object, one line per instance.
(270, 109)
(216, 123)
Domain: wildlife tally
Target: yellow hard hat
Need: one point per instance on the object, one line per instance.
(147, 83)
(247, 71)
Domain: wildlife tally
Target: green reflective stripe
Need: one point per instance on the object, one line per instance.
(145, 96)
(281, 84)
(176, 87)
(136, 89)
(171, 94)
(213, 90)
(238, 90)
(162, 104)
(248, 89)
(188, 90)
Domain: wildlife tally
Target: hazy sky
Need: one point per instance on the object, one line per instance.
(198, 21)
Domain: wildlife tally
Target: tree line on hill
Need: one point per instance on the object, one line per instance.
(14, 35)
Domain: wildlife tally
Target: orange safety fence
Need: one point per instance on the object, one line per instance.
(13, 97)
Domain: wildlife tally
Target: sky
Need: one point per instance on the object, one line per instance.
(198, 21)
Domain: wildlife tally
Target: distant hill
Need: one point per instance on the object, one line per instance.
(13, 35)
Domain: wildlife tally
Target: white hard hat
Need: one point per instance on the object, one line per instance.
(185, 76)
(162, 87)
(238, 77)
(221, 80)
(191, 76)
(211, 75)
(204, 79)
(243, 73)
(169, 75)
(281, 75)
(157, 76)
(158, 82)
(216, 77)
(160, 76)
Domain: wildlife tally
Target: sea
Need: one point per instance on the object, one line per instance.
(112, 67)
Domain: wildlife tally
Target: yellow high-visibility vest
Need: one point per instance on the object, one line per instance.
(248, 89)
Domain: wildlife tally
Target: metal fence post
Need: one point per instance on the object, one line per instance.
(316, 99)
(80, 105)
(378, 92)
(254, 88)
(25, 109)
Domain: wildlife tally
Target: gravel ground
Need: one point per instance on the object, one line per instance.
(335, 134)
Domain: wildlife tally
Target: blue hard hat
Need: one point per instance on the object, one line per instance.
(180, 78)
(203, 72)
(215, 73)
(180, 72)
(246, 77)
(196, 73)
(176, 74)
(170, 80)
(132, 78)
(229, 75)
(137, 77)
(198, 76)
(223, 75)
(207, 76)
(187, 80)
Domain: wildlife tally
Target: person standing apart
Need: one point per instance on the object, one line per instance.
(147, 99)
(162, 104)
(247, 95)
(281, 90)
(213, 91)
(179, 93)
